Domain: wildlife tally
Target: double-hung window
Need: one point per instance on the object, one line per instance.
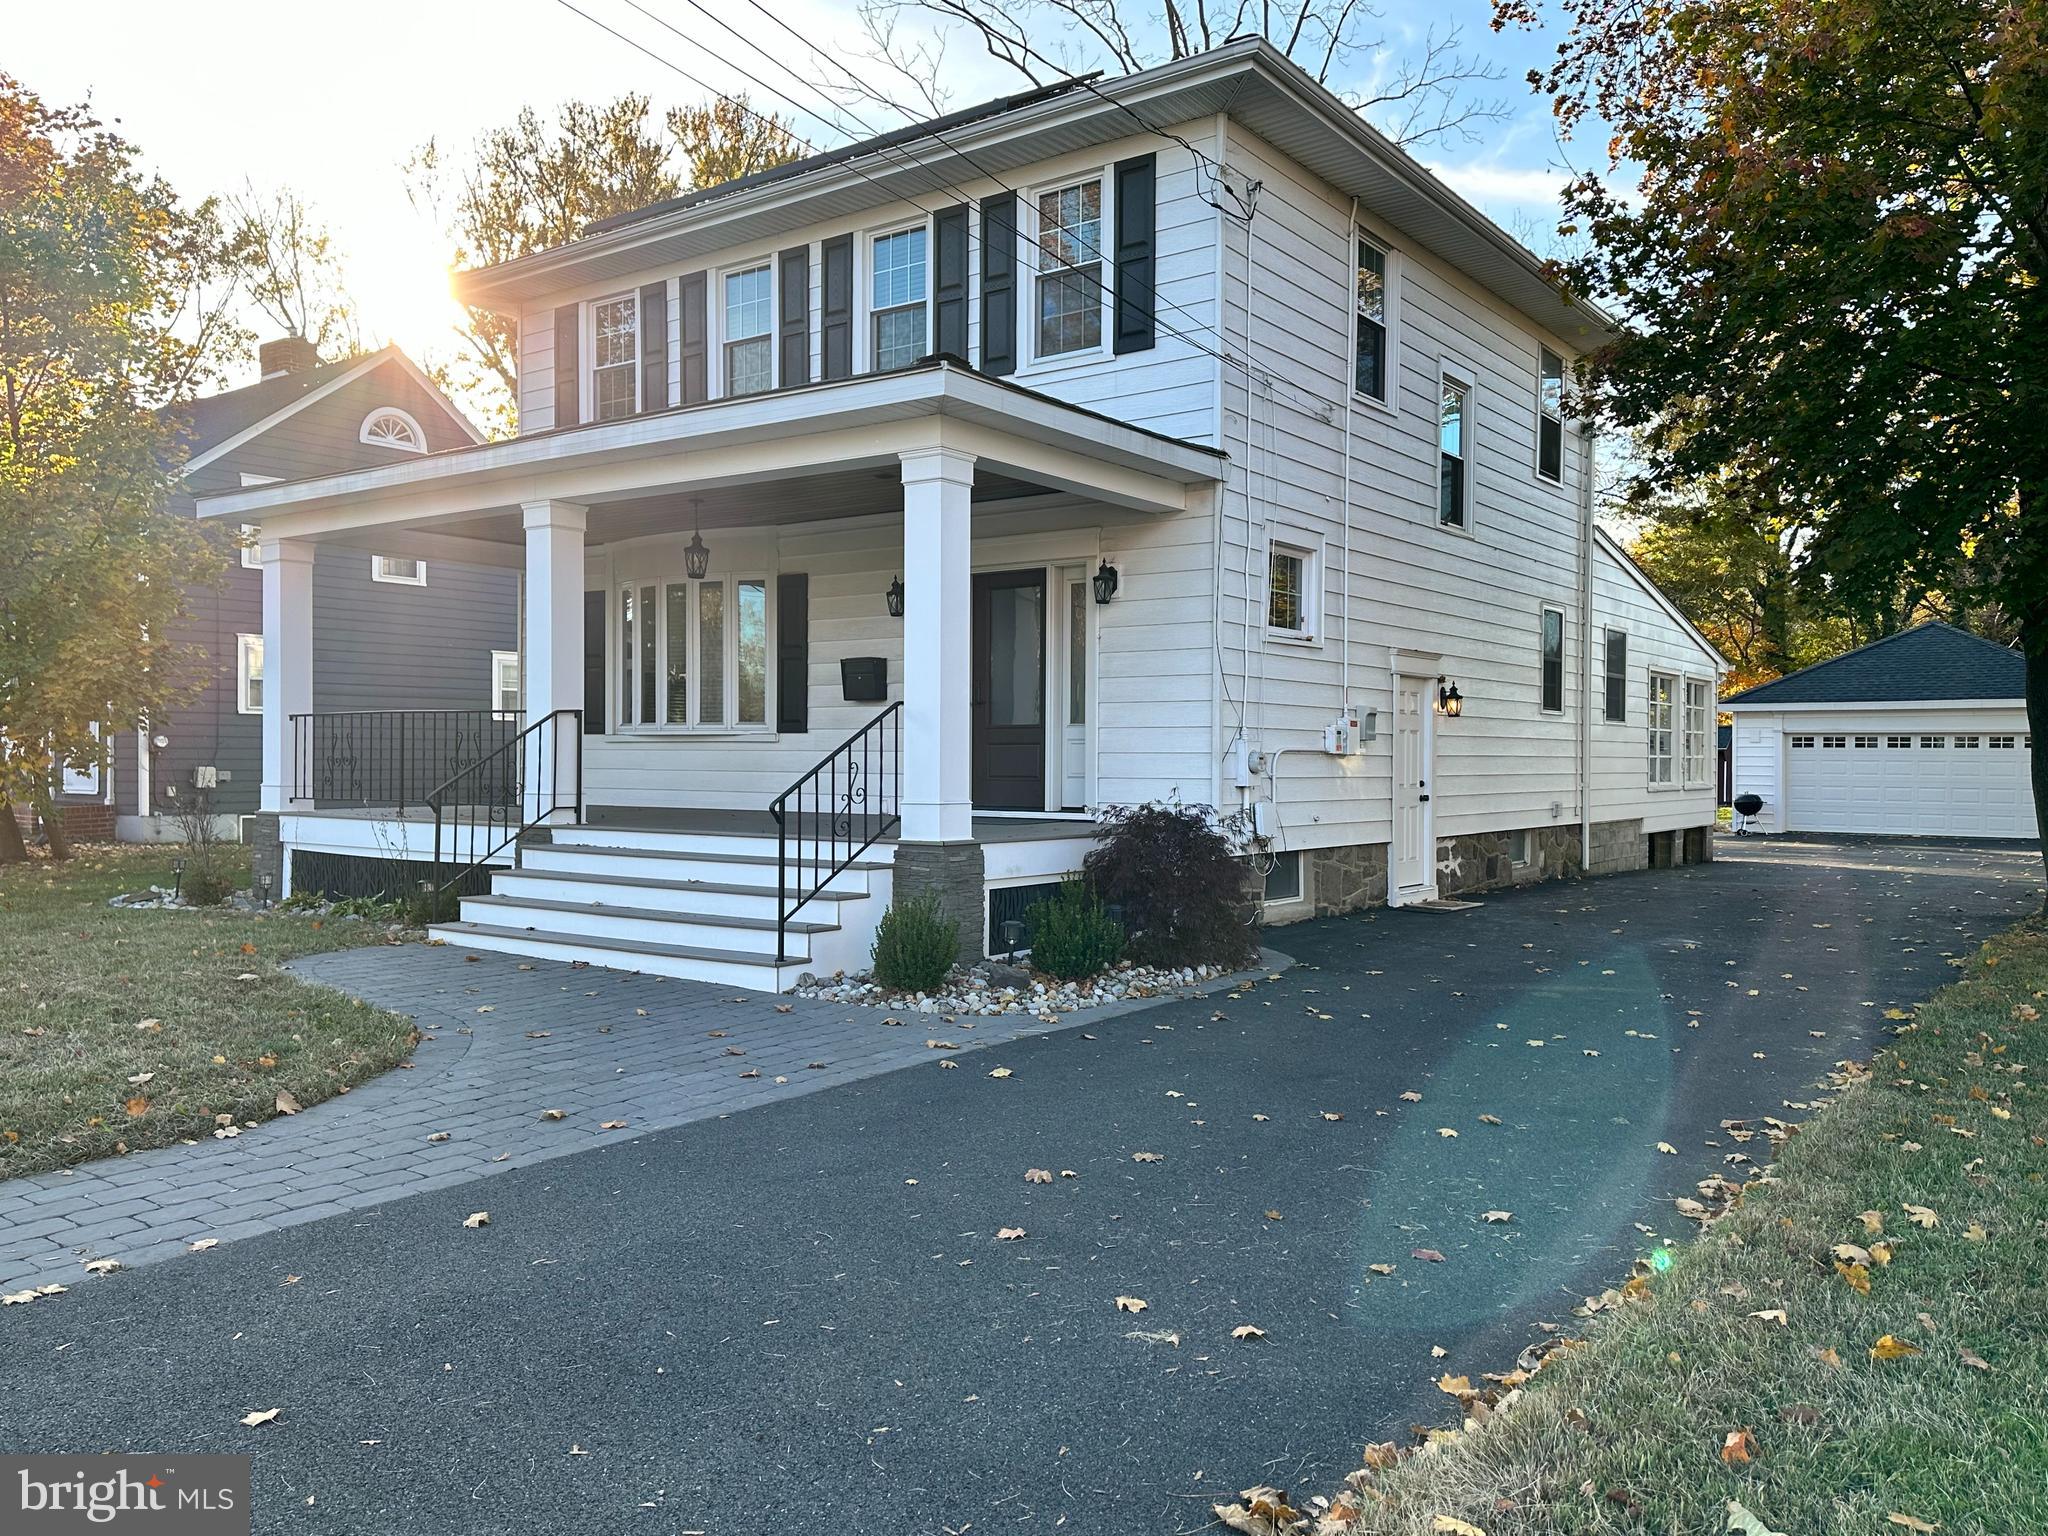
(1616, 663)
(1553, 661)
(749, 316)
(249, 674)
(1070, 269)
(1697, 720)
(615, 357)
(694, 654)
(1454, 436)
(1550, 418)
(898, 298)
(1370, 354)
(1663, 727)
(505, 685)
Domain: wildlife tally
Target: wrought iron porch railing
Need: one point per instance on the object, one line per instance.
(835, 813)
(488, 805)
(389, 757)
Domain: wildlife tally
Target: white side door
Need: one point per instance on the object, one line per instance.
(1411, 874)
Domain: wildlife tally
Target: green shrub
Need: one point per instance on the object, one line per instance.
(1174, 874)
(915, 945)
(1072, 936)
(206, 887)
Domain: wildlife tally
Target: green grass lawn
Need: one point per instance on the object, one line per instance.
(1946, 1425)
(94, 998)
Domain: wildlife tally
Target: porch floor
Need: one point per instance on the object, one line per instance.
(644, 818)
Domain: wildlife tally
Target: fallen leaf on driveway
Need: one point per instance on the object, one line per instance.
(1381, 1269)
(611, 1125)
(1496, 1215)
(1008, 1234)
(1445, 1131)
(108, 1266)
(1037, 1175)
(438, 1136)
(1428, 1254)
(1411, 1097)
(554, 1114)
(1331, 1114)
(203, 1244)
(1148, 1157)
(1247, 1331)
(1489, 1120)
(1130, 1304)
(1453, 1385)
(261, 1416)
(1739, 1445)
(1272, 1216)
(1002, 1072)
(1667, 1149)
(477, 1219)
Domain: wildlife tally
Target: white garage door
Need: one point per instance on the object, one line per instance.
(1946, 785)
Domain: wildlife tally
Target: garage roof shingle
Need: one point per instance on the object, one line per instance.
(1927, 662)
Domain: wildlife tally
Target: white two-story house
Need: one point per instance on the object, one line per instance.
(882, 517)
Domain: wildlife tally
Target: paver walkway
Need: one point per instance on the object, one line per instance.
(503, 1041)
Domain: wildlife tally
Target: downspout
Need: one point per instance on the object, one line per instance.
(1586, 651)
(1348, 276)
(1220, 502)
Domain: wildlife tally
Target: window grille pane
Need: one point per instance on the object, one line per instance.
(1070, 310)
(1284, 592)
(710, 653)
(749, 366)
(677, 598)
(899, 269)
(753, 617)
(648, 675)
(899, 337)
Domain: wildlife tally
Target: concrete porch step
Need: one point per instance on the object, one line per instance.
(743, 934)
(739, 899)
(749, 869)
(726, 967)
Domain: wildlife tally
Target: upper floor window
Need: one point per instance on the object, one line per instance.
(1550, 418)
(1070, 269)
(749, 315)
(389, 427)
(1371, 361)
(898, 299)
(249, 674)
(615, 357)
(1452, 487)
(400, 570)
(1553, 661)
(1617, 674)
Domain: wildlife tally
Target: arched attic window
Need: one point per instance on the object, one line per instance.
(389, 427)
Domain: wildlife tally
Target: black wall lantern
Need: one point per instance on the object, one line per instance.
(894, 598)
(697, 558)
(1449, 701)
(1106, 582)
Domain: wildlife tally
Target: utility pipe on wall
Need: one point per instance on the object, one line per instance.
(1586, 650)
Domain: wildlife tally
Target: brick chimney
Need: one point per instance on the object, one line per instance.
(287, 354)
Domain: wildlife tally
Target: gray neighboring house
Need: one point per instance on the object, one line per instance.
(436, 635)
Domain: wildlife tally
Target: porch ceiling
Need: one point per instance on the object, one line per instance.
(832, 447)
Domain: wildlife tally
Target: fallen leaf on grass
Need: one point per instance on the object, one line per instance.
(261, 1416)
(1382, 1454)
(1910, 1523)
(477, 1219)
(1743, 1523)
(1857, 1276)
(1967, 1355)
(1738, 1445)
(1130, 1304)
(1451, 1525)
(1773, 1315)
(1922, 1216)
(1037, 1175)
(1890, 1347)
(137, 1107)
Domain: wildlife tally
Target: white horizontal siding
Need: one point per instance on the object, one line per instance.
(537, 370)
(1621, 749)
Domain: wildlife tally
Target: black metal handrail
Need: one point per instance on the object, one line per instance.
(389, 757)
(490, 804)
(834, 814)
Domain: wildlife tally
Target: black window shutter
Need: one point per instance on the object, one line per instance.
(654, 347)
(794, 281)
(949, 292)
(593, 663)
(1136, 230)
(835, 312)
(693, 337)
(999, 284)
(793, 652)
(568, 364)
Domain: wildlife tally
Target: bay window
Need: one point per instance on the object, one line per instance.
(897, 299)
(693, 654)
(1070, 288)
(749, 314)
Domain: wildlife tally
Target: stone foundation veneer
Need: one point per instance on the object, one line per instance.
(954, 872)
(266, 851)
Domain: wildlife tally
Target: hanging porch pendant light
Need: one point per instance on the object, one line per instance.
(697, 558)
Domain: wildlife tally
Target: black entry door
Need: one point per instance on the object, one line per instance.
(1009, 691)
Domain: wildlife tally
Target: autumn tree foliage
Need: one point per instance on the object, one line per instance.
(114, 299)
(1833, 273)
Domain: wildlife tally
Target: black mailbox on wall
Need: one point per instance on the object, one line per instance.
(864, 679)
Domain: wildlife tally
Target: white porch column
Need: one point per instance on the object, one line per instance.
(937, 646)
(552, 675)
(287, 659)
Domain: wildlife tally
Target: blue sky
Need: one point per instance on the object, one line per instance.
(332, 101)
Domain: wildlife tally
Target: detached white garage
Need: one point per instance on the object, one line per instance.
(1921, 734)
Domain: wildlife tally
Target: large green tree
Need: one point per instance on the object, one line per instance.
(114, 299)
(533, 185)
(1833, 264)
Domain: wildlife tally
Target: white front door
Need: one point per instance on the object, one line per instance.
(1411, 874)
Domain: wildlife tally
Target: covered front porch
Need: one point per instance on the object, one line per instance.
(928, 612)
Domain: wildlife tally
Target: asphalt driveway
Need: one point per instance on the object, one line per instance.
(802, 1317)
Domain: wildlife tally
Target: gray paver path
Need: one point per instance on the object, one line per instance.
(503, 1041)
